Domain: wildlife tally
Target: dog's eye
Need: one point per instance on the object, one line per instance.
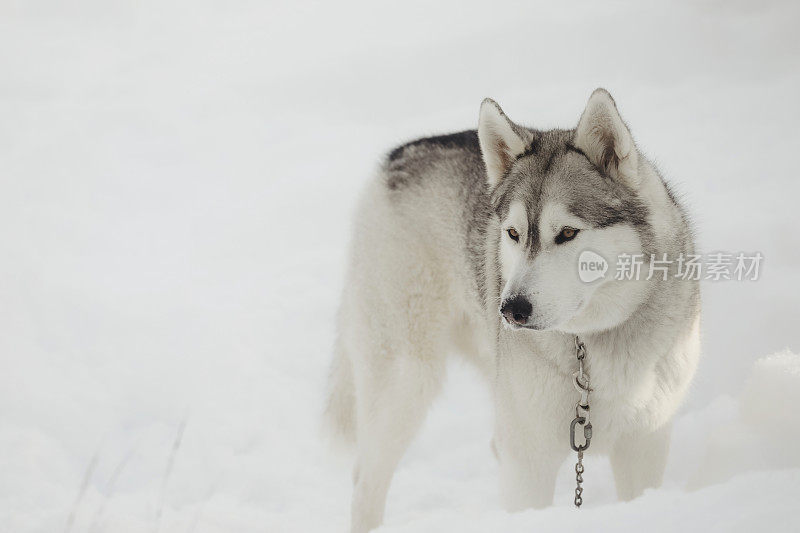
(513, 234)
(567, 234)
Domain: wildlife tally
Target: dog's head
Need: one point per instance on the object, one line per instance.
(564, 197)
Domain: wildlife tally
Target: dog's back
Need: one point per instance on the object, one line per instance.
(416, 267)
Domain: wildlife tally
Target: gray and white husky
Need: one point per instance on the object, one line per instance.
(470, 243)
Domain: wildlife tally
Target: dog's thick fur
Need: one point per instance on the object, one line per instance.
(435, 265)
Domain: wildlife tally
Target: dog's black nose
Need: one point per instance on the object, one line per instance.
(517, 310)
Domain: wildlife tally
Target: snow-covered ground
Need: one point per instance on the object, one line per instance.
(176, 186)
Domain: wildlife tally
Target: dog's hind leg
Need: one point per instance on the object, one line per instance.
(393, 395)
(340, 415)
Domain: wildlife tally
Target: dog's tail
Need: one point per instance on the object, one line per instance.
(340, 412)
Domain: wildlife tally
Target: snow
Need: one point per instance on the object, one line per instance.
(177, 187)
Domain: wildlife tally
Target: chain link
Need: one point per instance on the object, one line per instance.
(581, 383)
(579, 480)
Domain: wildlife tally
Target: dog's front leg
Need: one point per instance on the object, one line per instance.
(638, 461)
(529, 457)
(527, 480)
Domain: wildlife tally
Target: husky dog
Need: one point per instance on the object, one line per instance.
(470, 242)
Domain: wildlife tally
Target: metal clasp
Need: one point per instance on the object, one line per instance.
(581, 384)
(587, 434)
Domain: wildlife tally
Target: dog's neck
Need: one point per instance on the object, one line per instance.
(656, 330)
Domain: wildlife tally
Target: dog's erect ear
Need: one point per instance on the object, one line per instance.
(501, 141)
(606, 140)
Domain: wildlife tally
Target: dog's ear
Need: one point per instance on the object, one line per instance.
(606, 140)
(501, 141)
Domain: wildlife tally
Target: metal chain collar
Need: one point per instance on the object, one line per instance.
(581, 383)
